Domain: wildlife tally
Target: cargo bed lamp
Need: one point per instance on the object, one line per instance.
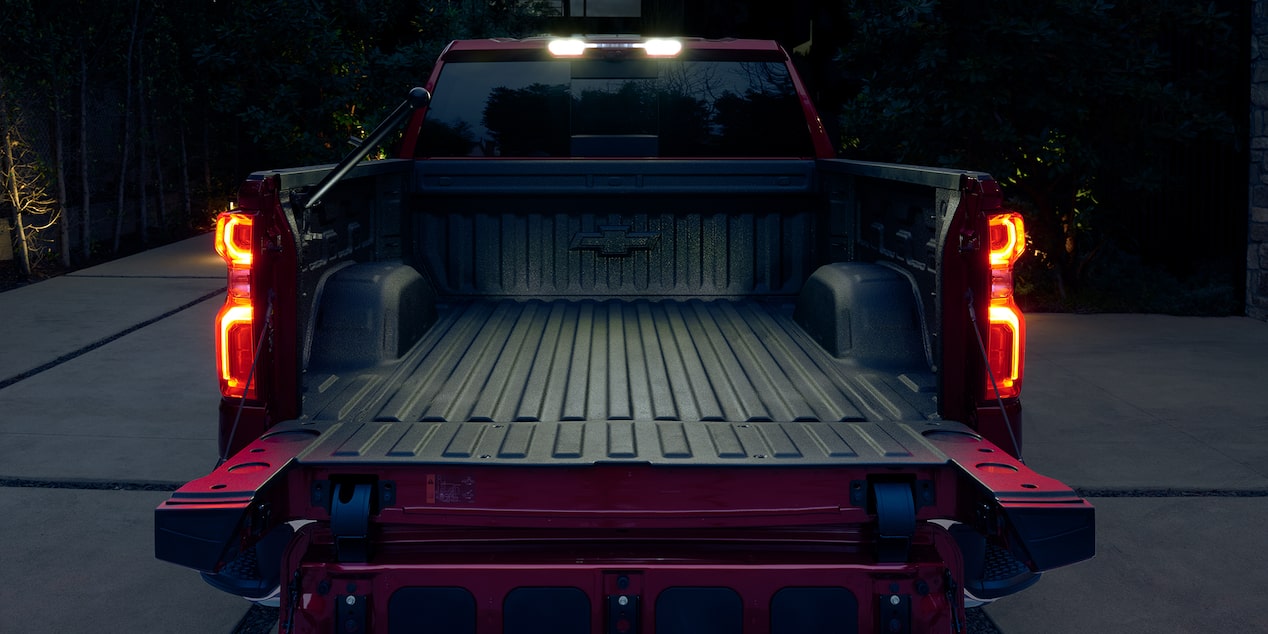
(576, 47)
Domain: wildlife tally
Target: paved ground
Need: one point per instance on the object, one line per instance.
(1163, 422)
(107, 400)
(107, 392)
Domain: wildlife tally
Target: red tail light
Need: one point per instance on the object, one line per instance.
(233, 238)
(1006, 344)
(235, 332)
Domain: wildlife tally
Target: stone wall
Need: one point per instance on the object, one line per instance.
(1257, 231)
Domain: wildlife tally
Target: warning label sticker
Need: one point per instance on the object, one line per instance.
(448, 489)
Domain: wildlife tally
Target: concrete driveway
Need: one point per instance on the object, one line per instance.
(108, 401)
(1162, 422)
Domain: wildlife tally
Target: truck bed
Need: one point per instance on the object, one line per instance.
(603, 384)
(508, 361)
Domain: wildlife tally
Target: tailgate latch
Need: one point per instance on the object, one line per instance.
(895, 520)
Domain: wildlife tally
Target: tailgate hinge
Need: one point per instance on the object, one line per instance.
(350, 521)
(895, 520)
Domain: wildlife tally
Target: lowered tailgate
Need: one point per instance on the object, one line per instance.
(723, 514)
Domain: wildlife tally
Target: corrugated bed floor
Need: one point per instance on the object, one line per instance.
(641, 360)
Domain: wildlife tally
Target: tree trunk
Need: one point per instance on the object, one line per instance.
(144, 148)
(59, 159)
(153, 123)
(127, 128)
(206, 157)
(161, 207)
(13, 193)
(85, 229)
(189, 211)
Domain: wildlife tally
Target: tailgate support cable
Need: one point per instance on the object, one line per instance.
(981, 346)
(293, 597)
(953, 597)
(259, 347)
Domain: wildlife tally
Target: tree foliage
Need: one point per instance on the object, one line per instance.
(300, 76)
(25, 193)
(197, 93)
(1075, 105)
(1068, 102)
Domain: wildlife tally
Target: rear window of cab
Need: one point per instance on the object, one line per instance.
(615, 108)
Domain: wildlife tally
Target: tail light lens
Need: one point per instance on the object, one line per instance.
(233, 238)
(1006, 343)
(1008, 240)
(235, 340)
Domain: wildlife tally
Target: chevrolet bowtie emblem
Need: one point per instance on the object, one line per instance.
(614, 240)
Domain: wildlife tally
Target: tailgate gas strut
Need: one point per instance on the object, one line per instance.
(417, 98)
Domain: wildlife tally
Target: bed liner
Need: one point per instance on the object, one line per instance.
(514, 361)
(663, 381)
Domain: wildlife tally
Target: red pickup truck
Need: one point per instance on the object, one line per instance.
(614, 343)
